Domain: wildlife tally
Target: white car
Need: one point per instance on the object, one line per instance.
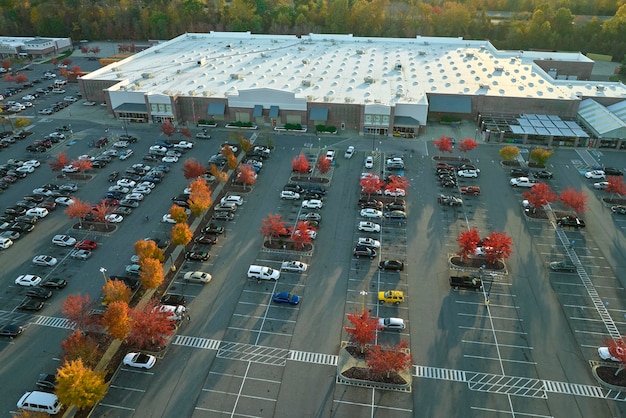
(28, 280)
(119, 189)
(167, 218)
(80, 254)
(349, 152)
(595, 174)
(232, 198)
(368, 242)
(289, 195)
(37, 212)
(468, 173)
(110, 153)
(368, 226)
(114, 218)
(133, 196)
(45, 260)
(146, 185)
(371, 213)
(170, 159)
(28, 98)
(605, 354)
(184, 145)
(57, 135)
(140, 166)
(32, 163)
(27, 104)
(126, 183)
(391, 323)
(369, 162)
(64, 240)
(69, 169)
(312, 204)
(121, 144)
(197, 276)
(5, 243)
(158, 149)
(369, 176)
(174, 313)
(312, 233)
(63, 200)
(395, 192)
(142, 190)
(25, 169)
(139, 360)
(70, 99)
(124, 155)
(601, 185)
(294, 266)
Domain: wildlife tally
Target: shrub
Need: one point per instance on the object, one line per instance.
(293, 126)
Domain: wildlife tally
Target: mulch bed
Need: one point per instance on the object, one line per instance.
(607, 374)
(363, 373)
(287, 245)
(95, 226)
(477, 262)
(305, 179)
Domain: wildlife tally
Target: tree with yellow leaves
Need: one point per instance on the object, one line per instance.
(220, 176)
(151, 272)
(178, 214)
(148, 249)
(200, 197)
(181, 234)
(116, 320)
(79, 385)
(115, 291)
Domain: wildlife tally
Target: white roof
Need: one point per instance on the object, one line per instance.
(343, 69)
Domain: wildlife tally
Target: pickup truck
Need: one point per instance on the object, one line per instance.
(522, 182)
(470, 190)
(330, 155)
(467, 282)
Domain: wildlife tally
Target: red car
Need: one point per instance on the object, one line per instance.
(470, 190)
(86, 244)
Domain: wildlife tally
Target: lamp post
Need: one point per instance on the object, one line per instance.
(103, 271)
(363, 294)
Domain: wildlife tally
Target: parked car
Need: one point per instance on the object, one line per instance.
(197, 255)
(369, 162)
(543, 174)
(213, 229)
(619, 209)
(368, 226)
(139, 360)
(63, 240)
(31, 304)
(470, 190)
(371, 213)
(391, 265)
(449, 200)
(44, 260)
(86, 244)
(390, 324)
(395, 214)
(286, 298)
(28, 280)
(612, 171)
(11, 330)
(595, 174)
(562, 266)
(296, 266)
(54, 283)
(364, 251)
(391, 296)
(197, 277)
(349, 152)
(39, 293)
(80, 254)
(368, 242)
(206, 239)
(312, 204)
(466, 282)
(571, 220)
(289, 195)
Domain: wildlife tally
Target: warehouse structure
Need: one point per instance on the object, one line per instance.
(375, 86)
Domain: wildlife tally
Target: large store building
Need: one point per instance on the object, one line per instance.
(376, 86)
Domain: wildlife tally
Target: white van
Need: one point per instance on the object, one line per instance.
(40, 402)
(263, 273)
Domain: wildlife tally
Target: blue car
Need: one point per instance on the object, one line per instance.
(163, 143)
(285, 297)
(115, 195)
(151, 179)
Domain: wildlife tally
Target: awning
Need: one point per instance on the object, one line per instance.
(258, 111)
(405, 121)
(216, 108)
(319, 113)
(131, 108)
(273, 112)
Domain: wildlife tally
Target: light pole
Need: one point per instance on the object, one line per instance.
(103, 271)
(319, 143)
(363, 294)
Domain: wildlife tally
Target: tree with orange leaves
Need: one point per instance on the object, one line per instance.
(115, 291)
(168, 128)
(220, 176)
(151, 272)
(79, 385)
(384, 360)
(101, 210)
(181, 234)
(148, 249)
(363, 329)
(77, 309)
(323, 164)
(231, 161)
(59, 162)
(244, 144)
(117, 320)
(192, 168)
(82, 165)
(200, 197)
(246, 175)
(371, 184)
(178, 214)
(79, 345)
(273, 226)
(574, 199)
(78, 210)
(444, 144)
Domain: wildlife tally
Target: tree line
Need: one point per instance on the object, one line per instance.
(546, 25)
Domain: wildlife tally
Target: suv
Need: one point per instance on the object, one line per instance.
(611, 171)
(293, 188)
(364, 251)
(262, 273)
(391, 296)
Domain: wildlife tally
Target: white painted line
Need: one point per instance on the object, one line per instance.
(278, 382)
(136, 371)
(604, 335)
(127, 388)
(282, 334)
(494, 330)
(500, 344)
(515, 413)
(594, 320)
(499, 359)
(108, 405)
(482, 303)
(234, 394)
(259, 317)
(478, 315)
(390, 408)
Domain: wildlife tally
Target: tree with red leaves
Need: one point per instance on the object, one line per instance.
(467, 144)
(66, 61)
(574, 199)
(101, 210)
(300, 164)
(82, 165)
(21, 78)
(398, 182)
(77, 309)
(386, 360)
(246, 175)
(468, 242)
(539, 195)
(59, 162)
(500, 246)
(79, 345)
(167, 128)
(150, 330)
(323, 164)
(185, 132)
(78, 209)
(370, 185)
(444, 144)
(616, 186)
(302, 234)
(273, 226)
(192, 168)
(363, 329)
(617, 349)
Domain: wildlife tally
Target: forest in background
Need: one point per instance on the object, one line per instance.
(544, 25)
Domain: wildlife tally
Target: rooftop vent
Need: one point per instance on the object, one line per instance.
(426, 43)
(306, 61)
(360, 51)
(235, 76)
(300, 48)
(421, 52)
(469, 54)
(398, 66)
(306, 83)
(499, 68)
(147, 75)
(599, 87)
(201, 61)
(368, 80)
(484, 86)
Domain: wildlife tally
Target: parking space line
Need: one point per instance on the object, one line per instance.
(493, 330)
(284, 334)
(374, 304)
(603, 334)
(501, 412)
(478, 315)
(499, 344)
(249, 378)
(390, 408)
(108, 405)
(499, 359)
(593, 320)
(221, 392)
(127, 388)
(136, 371)
(491, 304)
(259, 317)
(255, 291)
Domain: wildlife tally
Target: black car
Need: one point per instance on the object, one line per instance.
(571, 220)
(296, 188)
(467, 167)
(370, 204)
(197, 255)
(33, 198)
(612, 171)
(26, 204)
(129, 138)
(11, 330)
(395, 206)
(391, 265)
(543, 174)
(161, 243)
(519, 172)
(21, 227)
(122, 210)
(27, 219)
(224, 216)
(364, 251)
(315, 189)
(213, 229)
(619, 209)
(310, 195)
(46, 382)
(99, 163)
(39, 293)
(114, 176)
(173, 299)
(54, 283)
(132, 282)
(31, 304)
(150, 157)
(64, 128)
(448, 184)
(206, 239)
